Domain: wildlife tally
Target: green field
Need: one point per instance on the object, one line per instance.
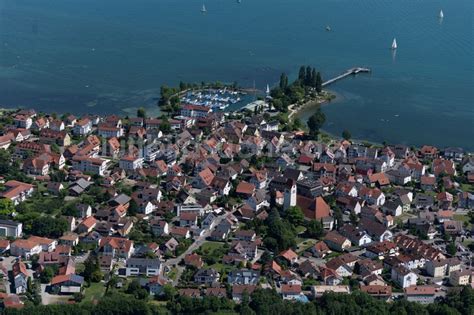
(208, 247)
(94, 292)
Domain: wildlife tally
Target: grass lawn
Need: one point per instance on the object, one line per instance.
(300, 229)
(212, 252)
(157, 303)
(221, 268)
(210, 246)
(301, 247)
(172, 273)
(94, 292)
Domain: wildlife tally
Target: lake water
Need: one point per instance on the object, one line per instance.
(108, 56)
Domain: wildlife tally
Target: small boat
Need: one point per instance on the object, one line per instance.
(328, 28)
(394, 44)
(441, 14)
(268, 90)
(203, 9)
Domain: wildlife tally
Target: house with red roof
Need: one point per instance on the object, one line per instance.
(204, 178)
(87, 225)
(16, 191)
(245, 189)
(290, 256)
(20, 276)
(116, 247)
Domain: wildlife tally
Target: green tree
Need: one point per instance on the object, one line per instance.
(141, 112)
(346, 135)
(308, 80)
(314, 75)
(319, 83)
(297, 125)
(169, 292)
(165, 125)
(353, 218)
(6, 207)
(92, 271)
(5, 159)
(48, 227)
(295, 216)
(314, 229)
(280, 234)
(337, 214)
(47, 274)
(451, 248)
(132, 208)
(283, 81)
(302, 74)
(316, 121)
(136, 290)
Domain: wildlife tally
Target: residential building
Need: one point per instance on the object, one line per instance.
(16, 191)
(10, 228)
(143, 267)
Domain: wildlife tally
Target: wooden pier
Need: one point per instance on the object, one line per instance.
(346, 74)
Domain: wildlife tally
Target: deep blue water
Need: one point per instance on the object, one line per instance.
(112, 56)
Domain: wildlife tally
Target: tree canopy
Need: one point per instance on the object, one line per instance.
(316, 121)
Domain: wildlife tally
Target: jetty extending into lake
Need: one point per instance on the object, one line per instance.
(346, 74)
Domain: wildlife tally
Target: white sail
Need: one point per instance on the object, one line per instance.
(441, 14)
(394, 44)
(203, 8)
(268, 90)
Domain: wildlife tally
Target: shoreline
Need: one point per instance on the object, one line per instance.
(322, 102)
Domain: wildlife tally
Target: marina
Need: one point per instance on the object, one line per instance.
(216, 99)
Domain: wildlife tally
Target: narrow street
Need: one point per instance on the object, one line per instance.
(173, 263)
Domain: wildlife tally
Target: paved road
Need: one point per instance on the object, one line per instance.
(194, 246)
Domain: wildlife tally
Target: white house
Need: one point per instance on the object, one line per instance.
(89, 165)
(82, 127)
(143, 266)
(25, 248)
(130, 163)
(195, 111)
(10, 228)
(403, 276)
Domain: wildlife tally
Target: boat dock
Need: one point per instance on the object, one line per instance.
(346, 74)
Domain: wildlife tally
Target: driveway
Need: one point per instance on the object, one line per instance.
(47, 298)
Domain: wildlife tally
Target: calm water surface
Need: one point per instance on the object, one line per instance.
(112, 56)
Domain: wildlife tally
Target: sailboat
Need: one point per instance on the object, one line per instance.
(268, 90)
(394, 44)
(328, 28)
(203, 10)
(441, 14)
